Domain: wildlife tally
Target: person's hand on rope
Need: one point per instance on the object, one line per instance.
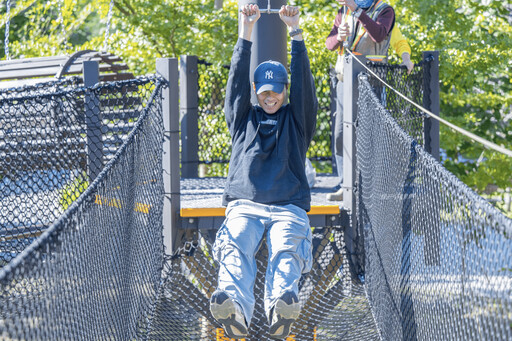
(349, 3)
(343, 32)
(249, 14)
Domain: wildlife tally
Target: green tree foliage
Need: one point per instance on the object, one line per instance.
(140, 30)
(474, 39)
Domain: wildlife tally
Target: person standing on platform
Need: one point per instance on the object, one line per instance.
(364, 26)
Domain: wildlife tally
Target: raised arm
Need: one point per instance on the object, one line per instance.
(249, 14)
(332, 42)
(303, 98)
(377, 29)
(238, 90)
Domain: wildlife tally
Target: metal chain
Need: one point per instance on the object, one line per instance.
(107, 31)
(7, 24)
(61, 22)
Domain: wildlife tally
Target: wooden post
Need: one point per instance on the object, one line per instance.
(407, 317)
(431, 102)
(431, 138)
(91, 76)
(218, 4)
(168, 68)
(332, 85)
(189, 116)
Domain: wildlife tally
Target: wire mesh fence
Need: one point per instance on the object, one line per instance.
(333, 307)
(94, 272)
(215, 142)
(54, 139)
(438, 263)
(408, 116)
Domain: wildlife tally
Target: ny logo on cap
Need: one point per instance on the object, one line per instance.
(269, 74)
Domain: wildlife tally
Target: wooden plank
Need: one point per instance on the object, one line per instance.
(52, 70)
(58, 60)
(33, 65)
(21, 82)
(220, 211)
(77, 68)
(116, 77)
(31, 60)
(203, 212)
(42, 162)
(42, 144)
(28, 73)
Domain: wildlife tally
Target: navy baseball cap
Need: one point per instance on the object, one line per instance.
(270, 75)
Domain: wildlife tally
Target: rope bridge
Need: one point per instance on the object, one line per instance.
(82, 252)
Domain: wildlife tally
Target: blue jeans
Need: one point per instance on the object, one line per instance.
(288, 237)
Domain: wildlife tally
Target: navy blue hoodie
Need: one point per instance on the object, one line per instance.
(269, 151)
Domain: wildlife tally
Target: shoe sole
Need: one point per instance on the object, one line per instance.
(286, 316)
(225, 314)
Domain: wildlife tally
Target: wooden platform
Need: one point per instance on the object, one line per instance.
(201, 203)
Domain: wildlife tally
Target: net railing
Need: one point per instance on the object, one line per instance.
(54, 139)
(410, 118)
(87, 266)
(333, 306)
(82, 249)
(438, 263)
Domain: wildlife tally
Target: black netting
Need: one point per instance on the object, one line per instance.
(410, 118)
(93, 273)
(438, 263)
(54, 139)
(214, 138)
(81, 249)
(334, 306)
(320, 148)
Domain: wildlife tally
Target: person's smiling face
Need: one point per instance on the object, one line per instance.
(271, 101)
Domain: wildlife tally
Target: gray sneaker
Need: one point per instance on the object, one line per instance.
(229, 314)
(283, 314)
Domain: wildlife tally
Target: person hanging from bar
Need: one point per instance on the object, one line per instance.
(267, 192)
(364, 26)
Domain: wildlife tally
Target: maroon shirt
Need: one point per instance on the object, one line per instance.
(378, 30)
